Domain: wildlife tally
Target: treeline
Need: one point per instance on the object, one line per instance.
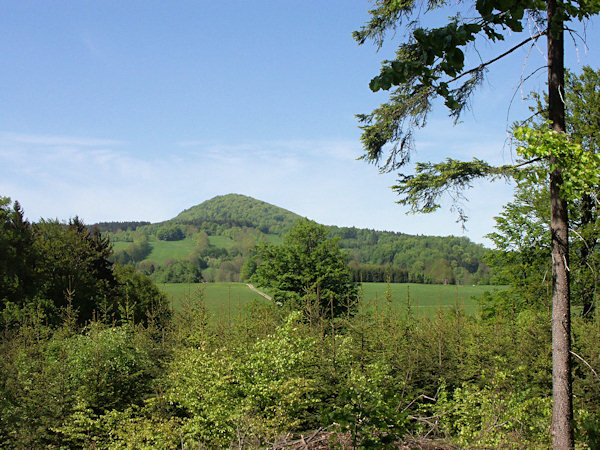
(434, 259)
(134, 253)
(365, 273)
(52, 269)
(114, 227)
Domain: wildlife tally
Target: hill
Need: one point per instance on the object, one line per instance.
(213, 239)
(235, 210)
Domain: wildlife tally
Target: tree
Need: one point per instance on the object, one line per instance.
(583, 124)
(307, 263)
(50, 268)
(432, 65)
(17, 256)
(522, 234)
(170, 233)
(73, 268)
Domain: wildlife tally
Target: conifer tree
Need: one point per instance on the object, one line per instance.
(431, 64)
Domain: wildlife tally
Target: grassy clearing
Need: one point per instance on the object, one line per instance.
(274, 239)
(220, 298)
(221, 241)
(425, 299)
(163, 250)
(120, 245)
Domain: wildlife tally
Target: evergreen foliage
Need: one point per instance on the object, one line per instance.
(114, 227)
(50, 269)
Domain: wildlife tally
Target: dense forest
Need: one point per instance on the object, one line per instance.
(221, 234)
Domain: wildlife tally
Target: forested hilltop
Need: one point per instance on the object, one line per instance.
(216, 239)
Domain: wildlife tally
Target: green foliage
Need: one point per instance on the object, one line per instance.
(372, 378)
(231, 227)
(307, 263)
(108, 368)
(54, 386)
(178, 272)
(522, 256)
(423, 190)
(17, 255)
(369, 273)
(580, 167)
(133, 253)
(368, 406)
(495, 414)
(115, 227)
(73, 268)
(441, 272)
(139, 299)
(56, 270)
(238, 210)
(522, 235)
(261, 391)
(170, 233)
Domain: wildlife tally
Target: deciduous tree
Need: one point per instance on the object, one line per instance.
(307, 263)
(430, 65)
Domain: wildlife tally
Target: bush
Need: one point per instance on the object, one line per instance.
(495, 414)
(226, 391)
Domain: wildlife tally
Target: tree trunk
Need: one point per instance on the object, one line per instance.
(562, 413)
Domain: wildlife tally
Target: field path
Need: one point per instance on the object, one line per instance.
(268, 297)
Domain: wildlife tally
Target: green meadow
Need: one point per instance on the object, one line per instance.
(220, 298)
(423, 299)
(163, 250)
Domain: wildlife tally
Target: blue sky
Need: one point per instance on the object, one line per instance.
(137, 110)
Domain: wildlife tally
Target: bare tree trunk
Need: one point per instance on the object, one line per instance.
(562, 414)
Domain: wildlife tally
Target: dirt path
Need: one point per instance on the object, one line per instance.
(268, 297)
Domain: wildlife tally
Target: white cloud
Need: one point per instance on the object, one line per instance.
(54, 141)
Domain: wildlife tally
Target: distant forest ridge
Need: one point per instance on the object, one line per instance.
(218, 235)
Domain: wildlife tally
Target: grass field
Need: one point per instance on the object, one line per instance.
(163, 250)
(425, 299)
(220, 298)
(221, 241)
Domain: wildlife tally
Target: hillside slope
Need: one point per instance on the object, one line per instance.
(221, 232)
(241, 211)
